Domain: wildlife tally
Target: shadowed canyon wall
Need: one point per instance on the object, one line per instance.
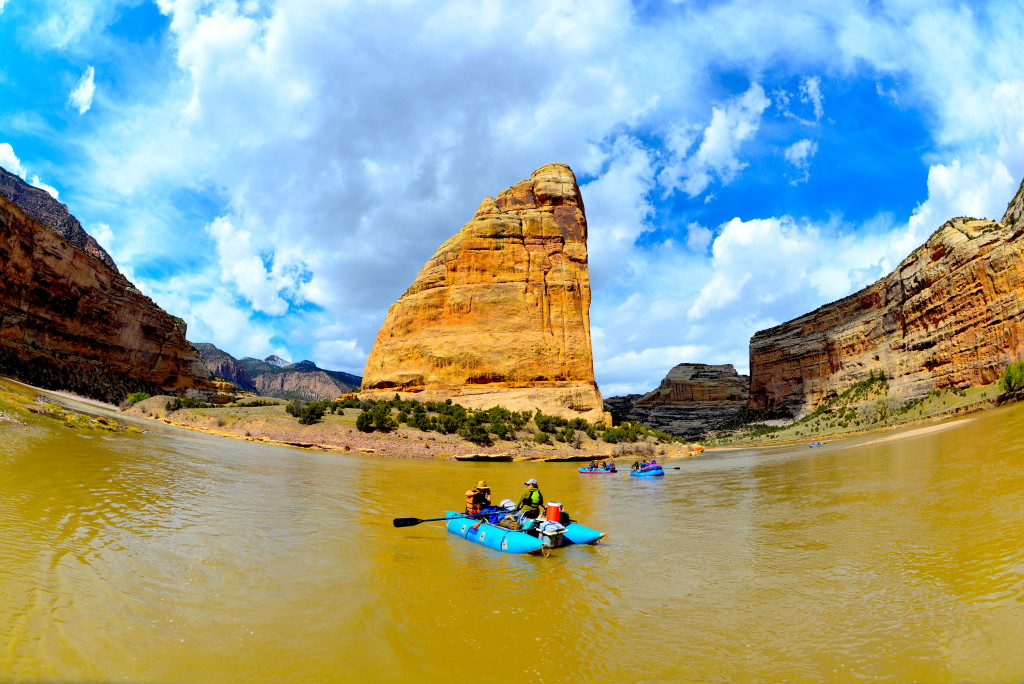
(70, 320)
(500, 315)
(951, 314)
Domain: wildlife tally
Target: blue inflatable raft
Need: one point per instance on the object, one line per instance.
(516, 541)
(596, 471)
(650, 472)
(491, 536)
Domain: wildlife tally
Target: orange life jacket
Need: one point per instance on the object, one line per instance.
(475, 500)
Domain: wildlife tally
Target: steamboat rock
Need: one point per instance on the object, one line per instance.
(500, 315)
(691, 399)
(70, 320)
(951, 314)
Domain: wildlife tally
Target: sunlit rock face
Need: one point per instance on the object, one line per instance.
(70, 320)
(691, 399)
(951, 314)
(500, 315)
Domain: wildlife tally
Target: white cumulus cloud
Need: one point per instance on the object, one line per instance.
(81, 96)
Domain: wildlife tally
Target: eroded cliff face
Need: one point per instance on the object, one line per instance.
(223, 365)
(500, 315)
(69, 320)
(692, 398)
(951, 314)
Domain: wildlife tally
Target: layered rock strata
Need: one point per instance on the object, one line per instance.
(276, 377)
(41, 206)
(500, 315)
(951, 314)
(691, 399)
(223, 365)
(306, 381)
(70, 320)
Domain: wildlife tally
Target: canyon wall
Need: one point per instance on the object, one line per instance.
(70, 320)
(692, 398)
(951, 314)
(500, 315)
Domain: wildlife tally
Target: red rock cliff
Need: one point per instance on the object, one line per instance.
(69, 320)
(501, 314)
(951, 314)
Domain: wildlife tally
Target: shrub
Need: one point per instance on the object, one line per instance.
(255, 403)
(312, 413)
(136, 397)
(475, 433)
(1012, 381)
(542, 438)
(364, 423)
(185, 402)
(382, 419)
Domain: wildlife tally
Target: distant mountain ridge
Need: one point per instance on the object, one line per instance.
(278, 378)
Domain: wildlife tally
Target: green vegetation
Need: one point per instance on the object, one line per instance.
(864, 405)
(186, 402)
(477, 426)
(255, 403)
(1012, 381)
(136, 397)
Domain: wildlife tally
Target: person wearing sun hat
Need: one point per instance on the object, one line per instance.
(531, 501)
(477, 498)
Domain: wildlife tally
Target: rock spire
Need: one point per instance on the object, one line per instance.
(500, 315)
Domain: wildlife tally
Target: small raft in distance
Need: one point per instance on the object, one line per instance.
(596, 471)
(650, 472)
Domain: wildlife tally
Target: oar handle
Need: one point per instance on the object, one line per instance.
(409, 522)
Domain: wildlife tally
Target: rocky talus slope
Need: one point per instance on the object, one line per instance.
(500, 315)
(691, 398)
(69, 320)
(951, 314)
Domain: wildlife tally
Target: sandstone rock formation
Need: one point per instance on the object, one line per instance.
(500, 315)
(41, 206)
(951, 314)
(69, 320)
(691, 399)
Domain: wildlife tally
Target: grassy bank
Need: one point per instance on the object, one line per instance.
(21, 404)
(864, 407)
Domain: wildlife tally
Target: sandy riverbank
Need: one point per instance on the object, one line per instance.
(271, 425)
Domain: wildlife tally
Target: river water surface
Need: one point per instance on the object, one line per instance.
(179, 557)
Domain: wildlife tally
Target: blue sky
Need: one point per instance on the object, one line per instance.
(277, 171)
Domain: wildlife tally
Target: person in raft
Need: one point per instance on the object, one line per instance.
(477, 498)
(531, 500)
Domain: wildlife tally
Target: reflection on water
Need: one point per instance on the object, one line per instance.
(175, 557)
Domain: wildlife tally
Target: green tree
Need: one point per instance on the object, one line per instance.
(312, 413)
(1012, 381)
(475, 433)
(364, 423)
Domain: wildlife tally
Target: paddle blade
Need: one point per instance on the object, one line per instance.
(406, 522)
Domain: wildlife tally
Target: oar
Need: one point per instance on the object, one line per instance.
(409, 522)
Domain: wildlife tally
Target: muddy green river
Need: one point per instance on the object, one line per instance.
(178, 557)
